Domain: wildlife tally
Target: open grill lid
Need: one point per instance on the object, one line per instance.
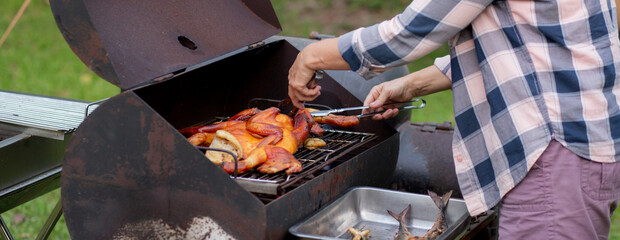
(129, 43)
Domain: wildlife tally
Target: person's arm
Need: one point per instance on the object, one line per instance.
(423, 27)
(426, 81)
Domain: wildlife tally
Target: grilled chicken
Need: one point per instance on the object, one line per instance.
(279, 159)
(272, 159)
(245, 114)
(317, 130)
(282, 135)
(338, 120)
(212, 128)
(266, 137)
(201, 139)
(335, 120)
(225, 140)
(261, 138)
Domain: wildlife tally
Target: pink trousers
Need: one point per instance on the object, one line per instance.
(563, 196)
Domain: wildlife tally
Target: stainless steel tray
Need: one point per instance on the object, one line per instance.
(366, 208)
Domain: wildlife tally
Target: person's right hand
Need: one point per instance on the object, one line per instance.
(397, 90)
(299, 75)
(321, 55)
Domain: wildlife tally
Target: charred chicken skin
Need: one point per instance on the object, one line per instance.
(282, 136)
(267, 138)
(272, 159)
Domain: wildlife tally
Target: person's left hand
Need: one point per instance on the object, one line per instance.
(397, 90)
(423, 82)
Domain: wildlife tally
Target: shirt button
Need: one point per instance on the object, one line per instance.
(459, 159)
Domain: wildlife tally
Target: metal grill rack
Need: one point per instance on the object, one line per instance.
(338, 142)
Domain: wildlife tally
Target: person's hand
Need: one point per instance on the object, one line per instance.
(298, 77)
(423, 82)
(397, 90)
(321, 55)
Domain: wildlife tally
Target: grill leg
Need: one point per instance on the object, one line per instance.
(4, 231)
(50, 222)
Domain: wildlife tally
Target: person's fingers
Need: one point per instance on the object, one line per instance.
(390, 113)
(298, 78)
(380, 100)
(308, 94)
(373, 94)
(298, 97)
(377, 116)
(294, 99)
(294, 96)
(298, 84)
(371, 97)
(299, 105)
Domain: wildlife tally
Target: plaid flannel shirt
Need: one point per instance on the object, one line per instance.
(523, 73)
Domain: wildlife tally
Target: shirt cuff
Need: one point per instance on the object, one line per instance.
(443, 63)
(348, 46)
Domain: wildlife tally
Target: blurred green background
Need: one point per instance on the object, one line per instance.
(36, 59)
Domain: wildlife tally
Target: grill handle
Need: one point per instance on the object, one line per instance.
(224, 151)
(91, 104)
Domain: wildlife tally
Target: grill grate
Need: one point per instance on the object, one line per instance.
(338, 143)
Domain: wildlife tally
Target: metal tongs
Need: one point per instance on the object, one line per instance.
(324, 113)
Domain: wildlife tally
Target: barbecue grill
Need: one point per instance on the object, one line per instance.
(128, 172)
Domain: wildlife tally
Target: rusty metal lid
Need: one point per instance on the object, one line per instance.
(132, 42)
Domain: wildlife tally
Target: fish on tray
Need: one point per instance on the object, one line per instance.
(439, 227)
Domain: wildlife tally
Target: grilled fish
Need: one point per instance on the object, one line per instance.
(439, 227)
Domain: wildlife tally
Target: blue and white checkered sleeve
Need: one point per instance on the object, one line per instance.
(443, 63)
(422, 27)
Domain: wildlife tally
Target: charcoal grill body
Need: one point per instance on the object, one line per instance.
(425, 159)
(128, 164)
(179, 64)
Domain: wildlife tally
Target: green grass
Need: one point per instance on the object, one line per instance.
(26, 220)
(36, 59)
(614, 233)
(439, 105)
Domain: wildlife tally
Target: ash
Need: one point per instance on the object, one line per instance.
(203, 228)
